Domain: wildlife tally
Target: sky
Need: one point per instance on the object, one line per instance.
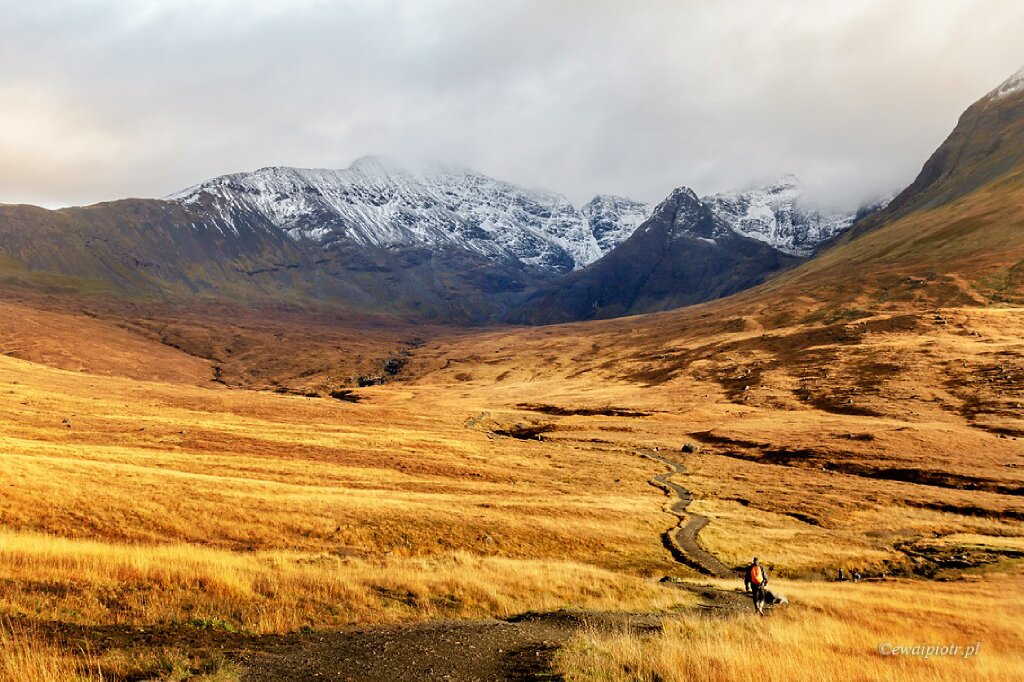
(104, 99)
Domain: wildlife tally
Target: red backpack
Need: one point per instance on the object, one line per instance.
(756, 575)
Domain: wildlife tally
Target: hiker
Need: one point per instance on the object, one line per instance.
(842, 575)
(856, 575)
(755, 578)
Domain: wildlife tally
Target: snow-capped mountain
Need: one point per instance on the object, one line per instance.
(778, 216)
(683, 254)
(431, 242)
(382, 203)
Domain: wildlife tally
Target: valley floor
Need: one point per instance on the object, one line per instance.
(178, 526)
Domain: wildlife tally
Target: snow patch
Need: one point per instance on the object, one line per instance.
(1010, 86)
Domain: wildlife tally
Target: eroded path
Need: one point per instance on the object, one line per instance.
(516, 649)
(682, 541)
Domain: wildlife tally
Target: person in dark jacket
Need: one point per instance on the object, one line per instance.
(755, 579)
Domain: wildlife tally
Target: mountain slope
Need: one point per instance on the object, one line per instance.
(167, 250)
(438, 243)
(987, 143)
(435, 242)
(955, 235)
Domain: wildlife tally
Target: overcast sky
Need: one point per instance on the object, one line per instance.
(102, 99)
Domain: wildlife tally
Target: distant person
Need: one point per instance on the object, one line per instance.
(856, 575)
(842, 575)
(755, 579)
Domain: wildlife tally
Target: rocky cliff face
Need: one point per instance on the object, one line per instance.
(613, 219)
(779, 216)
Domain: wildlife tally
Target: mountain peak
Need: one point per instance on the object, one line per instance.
(788, 181)
(378, 165)
(684, 194)
(1010, 86)
(610, 200)
(683, 213)
(383, 202)
(788, 187)
(613, 218)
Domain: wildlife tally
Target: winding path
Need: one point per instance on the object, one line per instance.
(682, 540)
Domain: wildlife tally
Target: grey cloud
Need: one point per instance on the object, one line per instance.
(104, 99)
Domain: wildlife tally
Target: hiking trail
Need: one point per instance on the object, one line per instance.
(682, 540)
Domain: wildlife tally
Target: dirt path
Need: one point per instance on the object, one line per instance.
(517, 649)
(682, 540)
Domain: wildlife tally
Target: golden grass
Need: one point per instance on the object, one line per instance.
(168, 503)
(856, 521)
(150, 462)
(26, 656)
(87, 582)
(799, 425)
(175, 502)
(830, 632)
(57, 339)
(167, 664)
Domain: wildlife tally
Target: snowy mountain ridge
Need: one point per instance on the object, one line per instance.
(382, 203)
(778, 216)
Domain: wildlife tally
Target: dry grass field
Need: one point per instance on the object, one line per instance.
(160, 502)
(498, 473)
(864, 631)
(849, 438)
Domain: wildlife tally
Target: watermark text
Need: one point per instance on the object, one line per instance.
(929, 650)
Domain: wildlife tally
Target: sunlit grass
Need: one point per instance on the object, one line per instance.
(180, 504)
(27, 656)
(96, 582)
(830, 632)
